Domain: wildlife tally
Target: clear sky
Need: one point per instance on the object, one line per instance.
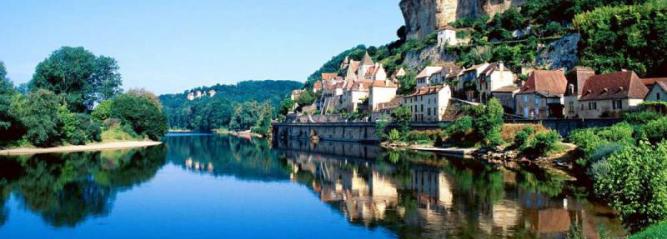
(169, 46)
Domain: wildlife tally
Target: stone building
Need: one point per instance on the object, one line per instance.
(576, 79)
(428, 104)
(541, 96)
(607, 95)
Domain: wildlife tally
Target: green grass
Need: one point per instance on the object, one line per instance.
(656, 231)
(116, 133)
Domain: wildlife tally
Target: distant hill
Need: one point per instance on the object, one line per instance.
(211, 107)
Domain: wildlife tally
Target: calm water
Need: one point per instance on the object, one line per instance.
(198, 186)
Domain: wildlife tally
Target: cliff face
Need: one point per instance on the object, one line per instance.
(425, 16)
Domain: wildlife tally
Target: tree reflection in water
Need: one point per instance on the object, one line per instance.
(66, 189)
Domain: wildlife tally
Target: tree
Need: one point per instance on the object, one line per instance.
(10, 128)
(307, 97)
(263, 125)
(402, 115)
(38, 113)
(245, 116)
(488, 122)
(407, 83)
(141, 113)
(82, 78)
(286, 106)
(635, 183)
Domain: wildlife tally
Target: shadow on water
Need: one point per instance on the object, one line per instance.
(67, 189)
(414, 195)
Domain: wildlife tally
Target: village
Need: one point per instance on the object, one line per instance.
(579, 93)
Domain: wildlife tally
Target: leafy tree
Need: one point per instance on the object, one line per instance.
(407, 83)
(10, 128)
(635, 183)
(307, 97)
(141, 113)
(245, 116)
(77, 74)
(38, 113)
(402, 116)
(102, 111)
(488, 122)
(263, 125)
(286, 106)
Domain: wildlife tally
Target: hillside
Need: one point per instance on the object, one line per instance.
(607, 35)
(213, 107)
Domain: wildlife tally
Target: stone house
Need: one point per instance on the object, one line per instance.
(428, 76)
(607, 95)
(428, 104)
(576, 79)
(541, 96)
(506, 96)
(447, 37)
(466, 82)
(381, 91)
(494, 77)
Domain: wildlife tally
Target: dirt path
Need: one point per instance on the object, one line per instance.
(79, 148)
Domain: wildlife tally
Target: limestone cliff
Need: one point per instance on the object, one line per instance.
(425, 16)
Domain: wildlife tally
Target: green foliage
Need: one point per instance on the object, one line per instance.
(38, 113)
(118, 133)
(263, 125)
(381, 126)
(489, 122)
(597, 143)
(654, 131)
(635, 183)
(245, 116)
(402, 116)
(641, 117)
(521, 138)
(307, 97)
(658, 230)
(102, 111)
(77, 74)
(141, 114)
(407, 83)
(541, 144)
(77, 129)
(286, 106)
(10, 127)
(394, 135)
(209, 113)
(627, 36)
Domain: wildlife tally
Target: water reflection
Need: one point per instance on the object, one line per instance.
(67, 189)
(421, 195)
(413, 195)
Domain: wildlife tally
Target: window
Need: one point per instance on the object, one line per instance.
(537, 101)
(428, 111)
(525, 98)
(617, 104)
(657, 96)
(422, 109)
(592, 105)
(525, 112)
(571, 108)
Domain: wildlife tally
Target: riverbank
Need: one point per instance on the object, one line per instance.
(241, 134)
(79, 148)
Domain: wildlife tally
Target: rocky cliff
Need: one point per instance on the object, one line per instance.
(425, 16)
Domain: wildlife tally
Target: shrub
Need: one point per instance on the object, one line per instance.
(655, 131)
(540, 144)
(658, 230)
(641, 117)
(394, 135)
(587, 142)
(521, 138)
(118, 133)
(636, 183)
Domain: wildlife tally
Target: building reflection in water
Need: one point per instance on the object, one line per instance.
(449, 199)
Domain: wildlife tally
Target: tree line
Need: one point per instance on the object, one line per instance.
(75, 97)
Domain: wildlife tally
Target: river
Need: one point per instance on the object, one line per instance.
(207, 186)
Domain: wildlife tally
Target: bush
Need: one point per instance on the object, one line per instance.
(658, 230)
(587, 142)
(636, 183)
(641, 117)
(540, 144)
(118, 133)
(654, 131)
(521, 138)
(394, 135)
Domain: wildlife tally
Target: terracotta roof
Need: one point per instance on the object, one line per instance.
(367, 60)
(329, 76)
(317, 85)
(509, 88)
(362, 85)
(384, 84)
(651, 81)
(548, 83)
(394, 103)
(617, 85)
(428, 90)
(429, 71)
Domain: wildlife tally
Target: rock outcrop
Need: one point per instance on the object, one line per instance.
(559, 54)
(425, 16)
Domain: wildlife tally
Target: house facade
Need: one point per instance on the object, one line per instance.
(576, 79)
(541, 97)
(428, 104)
(607, 95)
(658, 92)
(494, 77)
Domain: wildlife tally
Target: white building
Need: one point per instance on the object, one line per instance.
(494, 77)
(428, 104)
(426, 76)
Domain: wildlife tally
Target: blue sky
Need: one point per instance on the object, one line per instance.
(169, 46)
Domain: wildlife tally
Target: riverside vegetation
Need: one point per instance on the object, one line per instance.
(75, 98)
